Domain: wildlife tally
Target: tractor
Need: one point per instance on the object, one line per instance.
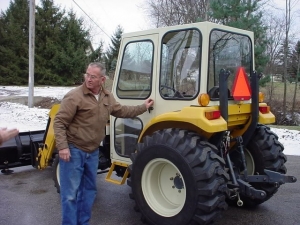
(204, 144)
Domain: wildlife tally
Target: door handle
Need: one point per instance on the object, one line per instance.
(150, 108)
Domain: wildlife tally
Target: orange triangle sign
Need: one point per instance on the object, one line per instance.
(241, 89)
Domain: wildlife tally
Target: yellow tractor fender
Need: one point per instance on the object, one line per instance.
(189, 118)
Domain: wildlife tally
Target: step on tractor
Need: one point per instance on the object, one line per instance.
(203, 145)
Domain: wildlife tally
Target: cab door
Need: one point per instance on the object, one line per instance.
(134, 82)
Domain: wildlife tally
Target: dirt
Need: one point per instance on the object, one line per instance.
(47, 103)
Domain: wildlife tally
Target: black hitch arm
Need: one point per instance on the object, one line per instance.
(249, 191)
(272, 177)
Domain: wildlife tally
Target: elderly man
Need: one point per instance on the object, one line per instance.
(79, 127)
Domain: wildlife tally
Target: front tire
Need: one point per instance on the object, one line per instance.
(56, 176)
(177, 178)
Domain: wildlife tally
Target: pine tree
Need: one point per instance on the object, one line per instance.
(97, 55)
(14, 33)
(244, 15)
(295, 62)
(113, 50)
(75, 47)
(62, 43)
(49, 19)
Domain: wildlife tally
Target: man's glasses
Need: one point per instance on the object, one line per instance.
(92, 77)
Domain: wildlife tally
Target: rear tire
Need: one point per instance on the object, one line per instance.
(263, 151)
(56, 176)
(177, 178)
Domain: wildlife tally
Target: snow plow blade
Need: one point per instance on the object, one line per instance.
(20, 150)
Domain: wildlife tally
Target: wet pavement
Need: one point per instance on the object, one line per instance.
(28, 197)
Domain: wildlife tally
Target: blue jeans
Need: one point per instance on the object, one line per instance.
(78, 186)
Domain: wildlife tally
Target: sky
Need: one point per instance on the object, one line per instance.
(13, 115)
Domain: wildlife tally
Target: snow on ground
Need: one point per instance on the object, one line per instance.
(13, 115)
(56, 92)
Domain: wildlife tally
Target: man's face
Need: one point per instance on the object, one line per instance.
(93, 79)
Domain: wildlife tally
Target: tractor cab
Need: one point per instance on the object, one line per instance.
(190, 71)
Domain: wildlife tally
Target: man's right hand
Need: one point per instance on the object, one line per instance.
(6, 134)
(64, 154)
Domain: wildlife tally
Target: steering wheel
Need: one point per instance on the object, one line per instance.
(167, 87)
(177, 94)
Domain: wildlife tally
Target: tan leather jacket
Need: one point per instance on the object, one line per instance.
(81, 119)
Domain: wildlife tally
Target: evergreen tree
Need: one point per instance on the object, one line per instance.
(75, 47)
(14, 34)
(295, 62)
(244, 15)
(49, 20)
(97, 55)
(113, 49)
(281, 58)
(62, 45)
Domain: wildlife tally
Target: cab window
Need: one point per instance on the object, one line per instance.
(180, 65)
(228, 51)
(136, 70)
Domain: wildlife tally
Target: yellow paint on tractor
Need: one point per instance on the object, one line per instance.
(45, 151)
(266, 118)
(193, 118)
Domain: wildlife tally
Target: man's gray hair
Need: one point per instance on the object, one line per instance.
(100, 66)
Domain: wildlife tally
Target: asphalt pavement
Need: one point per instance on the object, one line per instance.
(28, 197)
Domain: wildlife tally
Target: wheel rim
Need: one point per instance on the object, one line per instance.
(163, 187)
(250, 162)
(57, 174)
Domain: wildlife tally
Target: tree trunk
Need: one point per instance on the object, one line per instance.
(295, 90)
(287, 27)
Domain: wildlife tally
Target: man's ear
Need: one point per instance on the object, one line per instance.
(103, 79)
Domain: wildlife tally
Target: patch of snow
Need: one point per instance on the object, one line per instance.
(55, 92)
(14, 115)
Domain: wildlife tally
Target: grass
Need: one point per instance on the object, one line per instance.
(276, 102)
(278, 90)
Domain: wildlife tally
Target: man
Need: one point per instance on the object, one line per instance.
(79, 127)
(6, 134)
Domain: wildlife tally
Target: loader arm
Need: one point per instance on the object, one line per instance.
(45, 152)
